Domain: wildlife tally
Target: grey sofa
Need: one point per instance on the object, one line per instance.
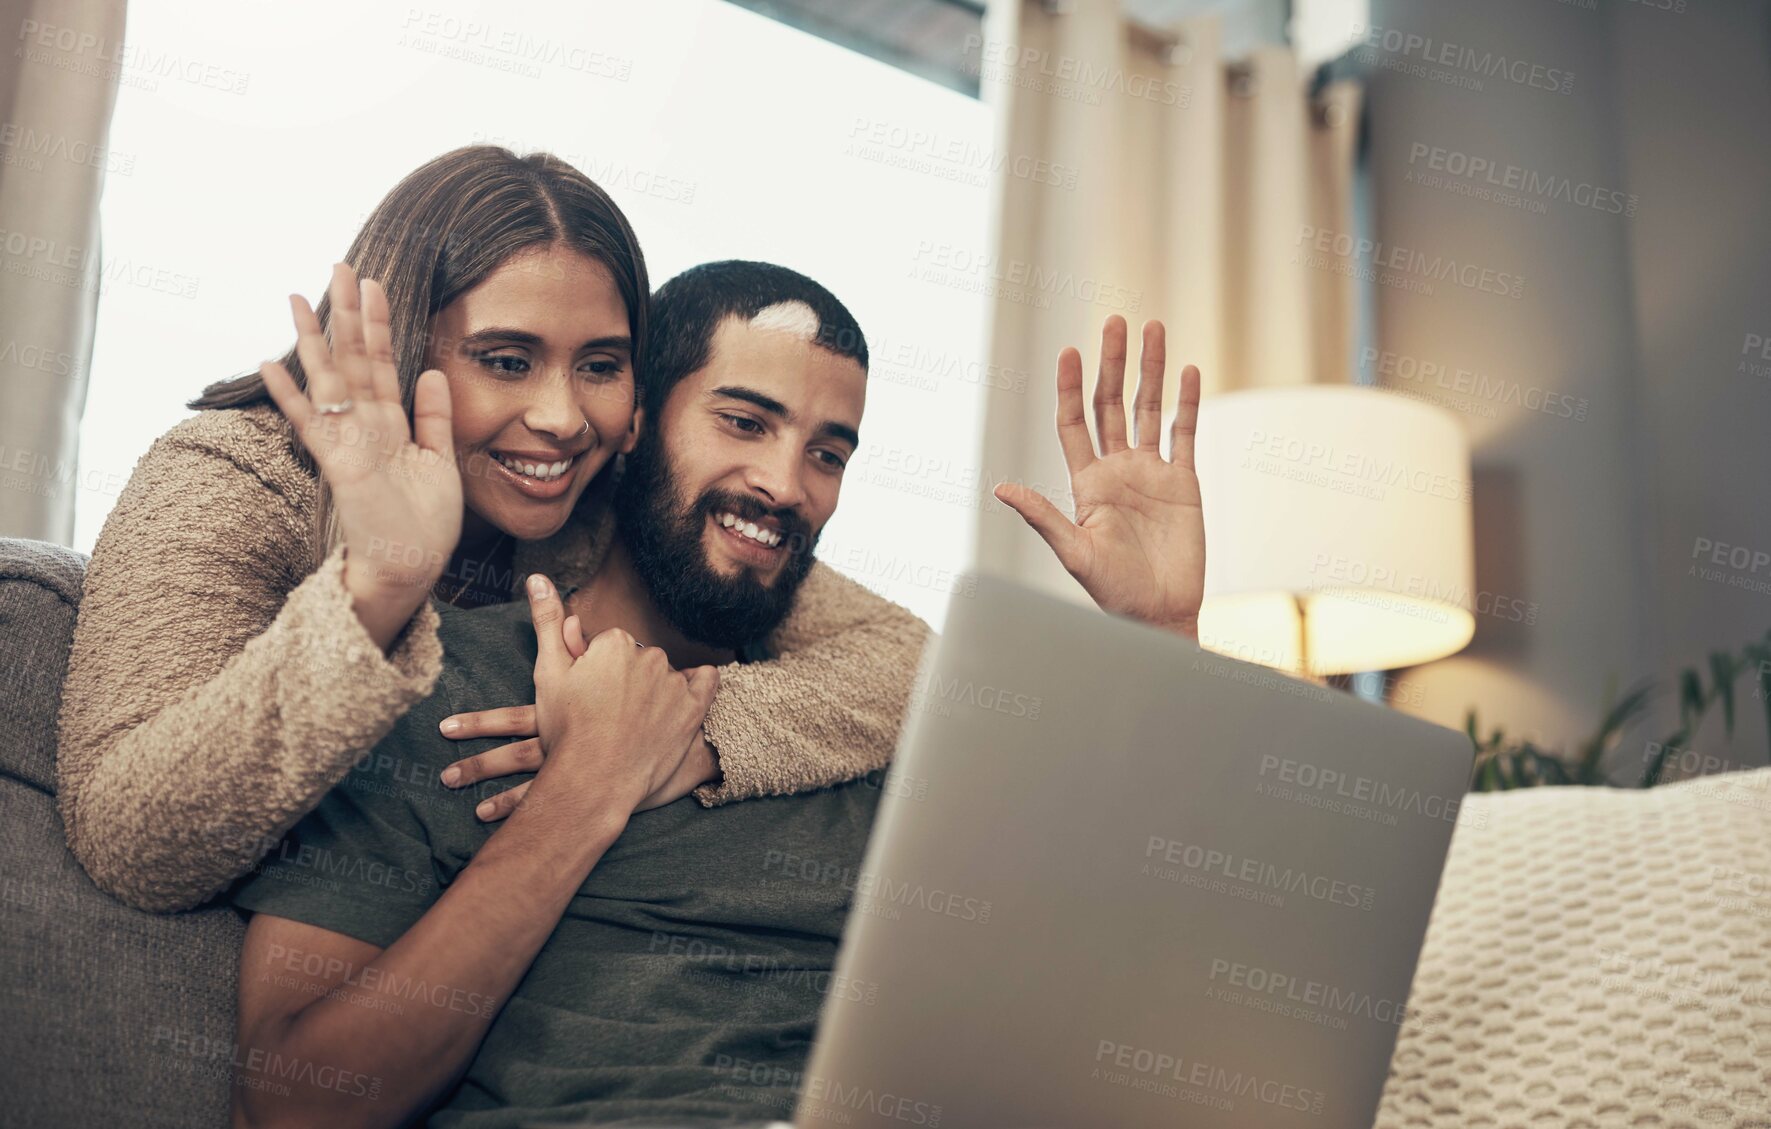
(108, 1016)
(1595, 957)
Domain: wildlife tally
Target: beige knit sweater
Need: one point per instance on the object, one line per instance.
(219, 685)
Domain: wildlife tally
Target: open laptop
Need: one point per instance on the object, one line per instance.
(1118, 881)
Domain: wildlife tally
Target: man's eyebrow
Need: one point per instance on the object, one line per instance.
(511, 336)
(752, 396)
(841, 431)
(774, 407)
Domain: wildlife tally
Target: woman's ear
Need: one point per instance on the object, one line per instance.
(633, 430)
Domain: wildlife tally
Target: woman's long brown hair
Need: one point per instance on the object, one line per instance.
(442, 230)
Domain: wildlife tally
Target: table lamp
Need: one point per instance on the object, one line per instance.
(1337, 528)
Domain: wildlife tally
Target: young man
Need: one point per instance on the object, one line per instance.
(581, 961)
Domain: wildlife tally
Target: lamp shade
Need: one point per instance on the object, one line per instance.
(1337, 529)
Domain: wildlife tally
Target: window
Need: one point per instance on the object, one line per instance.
(247, 161)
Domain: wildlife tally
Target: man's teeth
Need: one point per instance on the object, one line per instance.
(541, 471)
(750, 529)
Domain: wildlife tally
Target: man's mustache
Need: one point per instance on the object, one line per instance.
(796, 535)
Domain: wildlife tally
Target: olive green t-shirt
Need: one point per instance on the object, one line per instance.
(684, 980)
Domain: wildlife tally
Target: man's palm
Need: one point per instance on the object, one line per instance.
(1138, 542)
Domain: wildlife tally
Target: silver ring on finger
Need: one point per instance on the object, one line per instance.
(336, 409)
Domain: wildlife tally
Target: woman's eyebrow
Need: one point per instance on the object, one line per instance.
(505, 335)
(502, 335)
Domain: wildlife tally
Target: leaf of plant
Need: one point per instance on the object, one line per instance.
(1556, 772)
(1622, 713)
(1657, 763)
(1765, 688)
(1722, 669)
(1690, 696)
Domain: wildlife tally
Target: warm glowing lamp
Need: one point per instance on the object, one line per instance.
(1337, 527)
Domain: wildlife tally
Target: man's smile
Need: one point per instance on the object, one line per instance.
(765, 532)
(753, 542)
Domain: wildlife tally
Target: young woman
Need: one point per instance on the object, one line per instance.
(257, 611)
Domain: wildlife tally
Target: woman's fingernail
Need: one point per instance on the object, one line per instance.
(537, 585)
(450, 724)
(485, 810)
(451, 776)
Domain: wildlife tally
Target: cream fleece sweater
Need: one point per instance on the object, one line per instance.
(219, 685)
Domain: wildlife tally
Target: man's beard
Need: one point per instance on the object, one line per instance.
(664, 533)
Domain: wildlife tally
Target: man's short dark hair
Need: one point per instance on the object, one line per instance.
(687, 309)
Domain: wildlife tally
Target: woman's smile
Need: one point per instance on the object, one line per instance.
(541, 475)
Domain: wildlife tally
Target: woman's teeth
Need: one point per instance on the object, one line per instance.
(757, 533)
(541, 472)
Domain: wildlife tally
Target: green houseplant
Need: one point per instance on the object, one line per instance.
(1502, 763)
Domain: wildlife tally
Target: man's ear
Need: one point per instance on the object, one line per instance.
(633, 430)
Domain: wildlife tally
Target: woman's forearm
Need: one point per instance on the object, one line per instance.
(476, 943)
(384, 610)
(167, 812)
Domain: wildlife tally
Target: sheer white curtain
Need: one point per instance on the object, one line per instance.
(58, 84)
(1189, 188)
